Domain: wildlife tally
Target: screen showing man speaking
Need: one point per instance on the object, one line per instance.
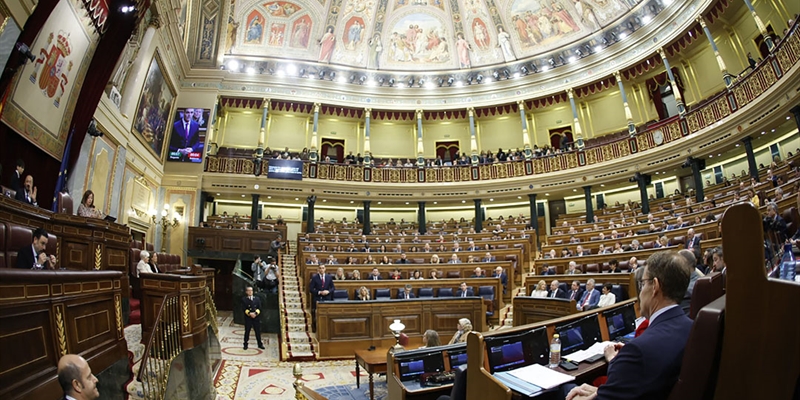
(285, 169)
(188, 135)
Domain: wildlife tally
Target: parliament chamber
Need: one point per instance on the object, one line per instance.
(420, 194)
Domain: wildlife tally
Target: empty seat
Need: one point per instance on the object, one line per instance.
(619, 294)
(445, 292)
(454, 274)
(487, 292)
(592, 268)
(340, 295)
(383, 294)
(425, 293)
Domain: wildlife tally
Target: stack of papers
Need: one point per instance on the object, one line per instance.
(581, 355)
(533, 380)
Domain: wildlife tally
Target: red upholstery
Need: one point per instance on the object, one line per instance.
(134, 260)
(64, 202)
(701, 356)
(18, 237)
(150, 247)
(592, 268)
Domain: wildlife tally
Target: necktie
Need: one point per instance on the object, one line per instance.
(586, 300)
(642, 327)
(553, 295)
(323, 280)
(464, 294)
(572, 296)
(250, 298)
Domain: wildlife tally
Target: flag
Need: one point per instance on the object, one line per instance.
(61, 183)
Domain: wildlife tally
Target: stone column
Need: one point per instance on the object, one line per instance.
(135, 77)
(211, 147)
(751, 157)
(628, 114)
(726, 77)
(673, 84)
(796, 112)
(760, 25)
(478, 216)
(578, 133)
(473, 137)
(526, 137)
(587, 194)
(312, 153)
(420, 146)
(367, 118)
(259, 155)
(642, 180)
(367, 226)
(421, 223)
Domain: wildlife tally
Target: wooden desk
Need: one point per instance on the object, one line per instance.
(374, 362)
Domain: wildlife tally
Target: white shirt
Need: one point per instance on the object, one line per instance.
(607, 299)
(142, 267)
(539, 293)
(659, 312)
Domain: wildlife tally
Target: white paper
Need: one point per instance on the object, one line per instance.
(541, 376)
(595, 349)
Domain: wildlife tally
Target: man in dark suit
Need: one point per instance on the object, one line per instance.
(406, 293)
(403, 259)
(16, 178)
(252, 309)
(692, 240)
(648, 366)
(464, 291)
(27, 193)
(498, 273)
(590, 297)
(27, 257)
(185, 138)
(76, 378)
(575, 292)
(555, 291)
(321, 286)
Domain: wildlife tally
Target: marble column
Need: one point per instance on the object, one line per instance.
(420, 146)
(576, 124)
(673, 84)
(628, 114)
(478, 216)
(726, 77)
(473, 137)
(312, 152)
(136, 76)
(751, 157)
(526, 137)
(760, 25)
(366, 228)
(211, 147)
(259, 156)
(367, 120)
(421, 223)
(587, 194)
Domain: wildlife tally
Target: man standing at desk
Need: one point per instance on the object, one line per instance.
(648, 366)
(252, 309)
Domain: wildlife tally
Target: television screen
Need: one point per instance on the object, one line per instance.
(417, 364)
(579, 335)
(509, 352)
(621, 321)
(457, 359)
(285, 169)
(188, 134)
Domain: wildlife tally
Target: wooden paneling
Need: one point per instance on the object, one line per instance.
(192, 298)
(529, 310)
(44, 314)
(228, 241)
(343, 327)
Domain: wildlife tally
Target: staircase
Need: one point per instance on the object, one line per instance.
(507, 312)
(297, 343)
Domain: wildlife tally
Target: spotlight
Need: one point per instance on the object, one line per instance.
(561, 60)
(552, 62)
(251, 71)
(470, 78)
(352, 78)
(381, 80)
(533, 66)
(332, 75)
(524, 70)
(411, 82)
(605, 41)
(420, 83)
(450, 81)
(440, 81)
(614, 37)
(572, 59)
(624, 35)
(321, 74)
(291, 69)
(506, 74)
(261, 70)
(302, 72)
(496, 75)
(588, 49)
(362, 79)
(233, 65)
(391, 82)
(579, 53)
(479, 78)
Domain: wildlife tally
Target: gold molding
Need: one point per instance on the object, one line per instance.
(98, 257)
(185, 304)
(61, 330)
(118, 314)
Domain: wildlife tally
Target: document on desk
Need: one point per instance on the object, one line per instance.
(581, 355)
(541, 376)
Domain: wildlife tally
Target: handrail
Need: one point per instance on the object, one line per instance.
(163, 346)
(211, 311)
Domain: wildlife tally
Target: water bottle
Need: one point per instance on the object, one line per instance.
(555, 351)
(788, 265)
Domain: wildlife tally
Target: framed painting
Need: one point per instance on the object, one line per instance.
(154, 111)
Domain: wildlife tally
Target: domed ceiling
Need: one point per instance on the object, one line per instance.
(415, 35)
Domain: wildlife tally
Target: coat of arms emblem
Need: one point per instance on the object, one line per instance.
(55, 67)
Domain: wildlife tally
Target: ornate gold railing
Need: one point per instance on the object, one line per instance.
(211, 311)
(163, 346)
(712, 110)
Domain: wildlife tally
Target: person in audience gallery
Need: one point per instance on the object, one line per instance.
(430, 339)
(143, 265)
(363, 294)
(464, 290)
(590, 297)
(28, 192)
(607, 298)
(76, 378)
(16, 178)
(462, 329)
(648, 366)
(252, 309)
(87, 208)
(540, 290)
(555, 291)
(406, 293)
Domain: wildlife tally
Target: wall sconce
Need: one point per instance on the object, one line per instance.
(397, 328)
(166, 223)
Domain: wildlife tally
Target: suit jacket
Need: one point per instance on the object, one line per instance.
(181, 139)
(648, 366)
(402, 295)
(402, 261)
(503, 278)
(251, 305)
(16, 181)
(21, 196)
(469, 292)
(693, 243)
(317, 286)
(594, 298)
(25, 257)
(560, 294)
(578, 295)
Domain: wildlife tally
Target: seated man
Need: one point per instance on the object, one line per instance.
(648, 366)
(478, 273)
(498, 273)
(28, 257)
(590, 297)
(27, 193)
(406, 293)
(464, 290)
(454, 259)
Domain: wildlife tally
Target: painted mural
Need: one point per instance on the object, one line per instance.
(406, 34)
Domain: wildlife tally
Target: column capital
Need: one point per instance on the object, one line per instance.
(265, 102)
(570, 93)
(471, 111)
(368, 113)
(618, 76)
(702, 21)
(316, 107)
(521, 104)
(662, 53)
(419, 113)
(155, 21)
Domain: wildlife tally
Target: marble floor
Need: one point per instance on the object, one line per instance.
(259, 374)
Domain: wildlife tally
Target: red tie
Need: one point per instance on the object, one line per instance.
(586, 300)
(323, 280)
(641, 328)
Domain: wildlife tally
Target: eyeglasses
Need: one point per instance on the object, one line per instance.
(643, 281)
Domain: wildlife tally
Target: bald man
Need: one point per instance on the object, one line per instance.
(76, 378)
